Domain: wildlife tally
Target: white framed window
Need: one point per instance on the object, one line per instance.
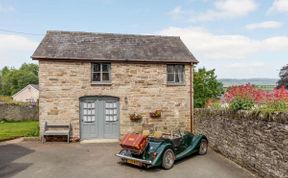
(101, 73)
(175, 74)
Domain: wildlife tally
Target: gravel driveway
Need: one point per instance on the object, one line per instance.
(32, 159)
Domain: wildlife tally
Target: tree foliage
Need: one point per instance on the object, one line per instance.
(12, 80)
(206, 86)
(283, 74)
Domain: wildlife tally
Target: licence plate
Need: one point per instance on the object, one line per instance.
(137, 163)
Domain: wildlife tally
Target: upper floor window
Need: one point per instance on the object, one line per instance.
(175, 74)
(101, 72)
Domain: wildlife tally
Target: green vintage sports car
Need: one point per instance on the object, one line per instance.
(163, 150)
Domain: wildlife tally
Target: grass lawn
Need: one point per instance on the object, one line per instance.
(14, 129)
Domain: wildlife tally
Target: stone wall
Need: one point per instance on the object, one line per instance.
(144, 86)
(18, 112)
(258, 142)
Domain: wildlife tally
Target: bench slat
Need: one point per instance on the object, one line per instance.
(54, 132)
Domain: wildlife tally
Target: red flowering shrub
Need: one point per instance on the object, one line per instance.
(248, 91)
(245, 96)
(280, 94)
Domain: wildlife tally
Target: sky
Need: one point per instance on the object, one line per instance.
(240, 39)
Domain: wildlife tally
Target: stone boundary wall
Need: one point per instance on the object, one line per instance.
(256, 141)
(18, 112)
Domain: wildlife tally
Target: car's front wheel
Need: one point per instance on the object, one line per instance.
(203, 147)
(125, 153)
(168, 159)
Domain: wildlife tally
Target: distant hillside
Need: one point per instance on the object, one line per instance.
(255, 81)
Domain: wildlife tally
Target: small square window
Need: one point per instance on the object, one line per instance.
(175, 74)
(101, 73)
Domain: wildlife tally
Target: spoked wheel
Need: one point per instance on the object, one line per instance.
(203, 147)
(125, 153)
(168, 159)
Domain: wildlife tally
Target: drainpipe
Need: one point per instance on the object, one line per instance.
(191, 98)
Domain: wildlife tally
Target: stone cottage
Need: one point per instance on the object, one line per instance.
(96, 80)
(30, 93)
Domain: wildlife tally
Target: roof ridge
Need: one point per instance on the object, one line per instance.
(116, 34)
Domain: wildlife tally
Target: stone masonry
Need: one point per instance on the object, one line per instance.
(142, 88)
(16, 112)
(256, 141)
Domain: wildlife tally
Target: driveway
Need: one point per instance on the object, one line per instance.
(32, 159)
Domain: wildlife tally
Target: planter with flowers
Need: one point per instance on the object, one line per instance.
(135, 117)
(156, 114)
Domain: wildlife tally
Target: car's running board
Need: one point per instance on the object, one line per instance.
(135, 159)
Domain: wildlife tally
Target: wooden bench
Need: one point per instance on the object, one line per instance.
(60, 129)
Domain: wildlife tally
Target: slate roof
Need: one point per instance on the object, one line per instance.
(35, 86)
(65, 45)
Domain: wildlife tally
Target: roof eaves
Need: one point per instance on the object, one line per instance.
(113, 60)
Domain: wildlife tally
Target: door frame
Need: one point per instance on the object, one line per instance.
(83, 98)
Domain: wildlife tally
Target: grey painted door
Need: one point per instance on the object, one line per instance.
(99, 117)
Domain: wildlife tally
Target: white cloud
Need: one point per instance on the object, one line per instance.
(176, 12)
(264, 25)
(222, 9)
(277, 43)
(6, 8)
(279, 6)
(214, 46)
(15, 50)
(235, 7)
(255, 69)
(234, 56)
(243, 65)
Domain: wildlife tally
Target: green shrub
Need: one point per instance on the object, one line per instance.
(239, 103)
(9, 100)
(216, 105)
(275, 106)
(6, 99)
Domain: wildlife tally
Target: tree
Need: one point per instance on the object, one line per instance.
(12, 80)
(283, 74)
(206, 86)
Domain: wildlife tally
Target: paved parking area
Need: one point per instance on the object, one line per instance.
(31, 159)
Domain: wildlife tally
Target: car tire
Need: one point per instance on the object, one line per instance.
(125, 153)
(168, 159)
(203, 148)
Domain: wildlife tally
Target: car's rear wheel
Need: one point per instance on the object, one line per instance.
(203, 148)
(168, 159)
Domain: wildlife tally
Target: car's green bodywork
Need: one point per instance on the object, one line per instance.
(187, 145)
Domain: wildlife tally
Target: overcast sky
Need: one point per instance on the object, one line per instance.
(240, 39)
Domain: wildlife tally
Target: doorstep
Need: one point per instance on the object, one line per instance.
(99, 141)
